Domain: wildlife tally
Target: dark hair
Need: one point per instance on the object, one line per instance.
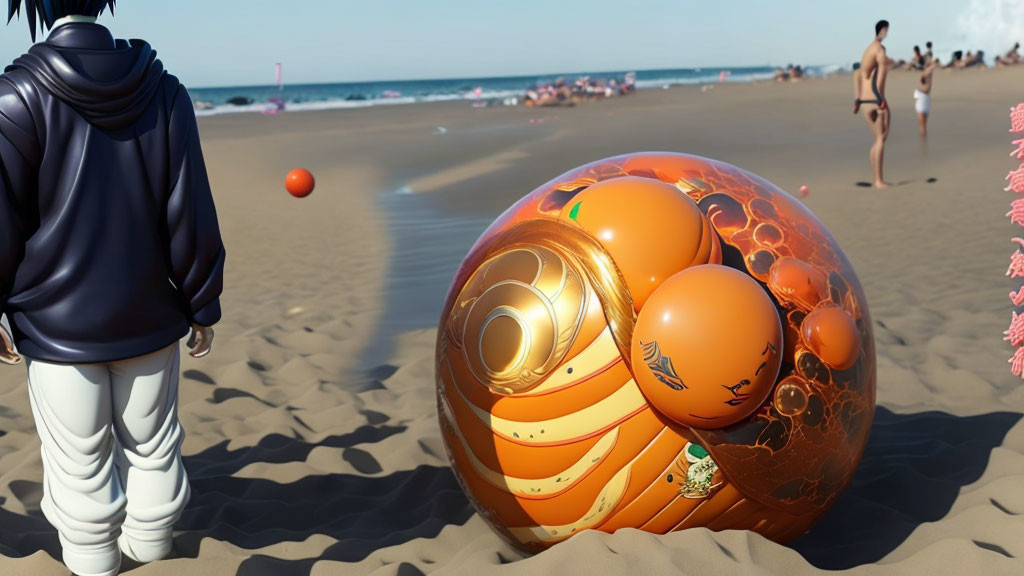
(882, 25)
(928, 44)
(917, 49)
(49, 11)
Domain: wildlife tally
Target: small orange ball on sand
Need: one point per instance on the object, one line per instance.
(804, 191)
(299, 183)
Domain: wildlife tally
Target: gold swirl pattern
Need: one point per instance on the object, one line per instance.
(521, 313)
(580, 253)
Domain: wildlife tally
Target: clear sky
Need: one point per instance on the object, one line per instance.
(237, 42)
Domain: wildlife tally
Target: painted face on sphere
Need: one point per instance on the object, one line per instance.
(707, 347)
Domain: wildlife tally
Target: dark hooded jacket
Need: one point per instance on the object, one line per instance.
(109, 244)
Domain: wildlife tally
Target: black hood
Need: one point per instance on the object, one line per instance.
(109, 82)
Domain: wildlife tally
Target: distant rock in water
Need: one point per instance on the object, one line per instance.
(352, 97)
(240, 101)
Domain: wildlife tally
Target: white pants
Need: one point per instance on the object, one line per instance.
(111, 447)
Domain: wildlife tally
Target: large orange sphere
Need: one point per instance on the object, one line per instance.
(707, 347)
(300, 183)
(654, 341)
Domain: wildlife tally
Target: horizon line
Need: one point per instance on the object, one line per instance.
(497, 77)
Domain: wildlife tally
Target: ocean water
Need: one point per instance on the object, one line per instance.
(489, 90)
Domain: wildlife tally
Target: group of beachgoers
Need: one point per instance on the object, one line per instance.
(869, 76)
(957, 61)
(790, 73)
(562, 93)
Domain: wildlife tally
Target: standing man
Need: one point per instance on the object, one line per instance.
(870, 97)
(109, 254)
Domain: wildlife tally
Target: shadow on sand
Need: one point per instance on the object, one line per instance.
(911, 473)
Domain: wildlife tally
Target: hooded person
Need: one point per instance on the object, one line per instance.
(110, 253)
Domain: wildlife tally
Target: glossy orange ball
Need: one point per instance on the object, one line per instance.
(299, 183)
(707, 347)
(657, 233)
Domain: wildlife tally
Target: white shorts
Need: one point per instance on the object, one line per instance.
(922, 102)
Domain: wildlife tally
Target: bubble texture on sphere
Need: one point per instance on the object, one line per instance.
(563, 404)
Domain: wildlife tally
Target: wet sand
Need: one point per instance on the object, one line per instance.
(313, 445)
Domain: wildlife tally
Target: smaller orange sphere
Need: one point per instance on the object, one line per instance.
(832, 335)
(650, 229)
(797, 282)
(707, 347)
(299, 183)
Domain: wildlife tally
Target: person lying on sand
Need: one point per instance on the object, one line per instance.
(955, 61)
(790, 73)
(1011, 57)
(974, 59)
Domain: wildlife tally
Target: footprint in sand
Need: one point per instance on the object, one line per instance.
(362, 461)
(198, 376)
(256, 366)
(221, 395)
(374, 418)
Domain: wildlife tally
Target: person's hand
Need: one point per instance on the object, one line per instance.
(7, 353)
(201, 341)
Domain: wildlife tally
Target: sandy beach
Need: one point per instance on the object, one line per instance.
(313, 445)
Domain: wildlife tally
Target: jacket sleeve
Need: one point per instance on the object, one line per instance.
(196, 250)
(19, 151)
